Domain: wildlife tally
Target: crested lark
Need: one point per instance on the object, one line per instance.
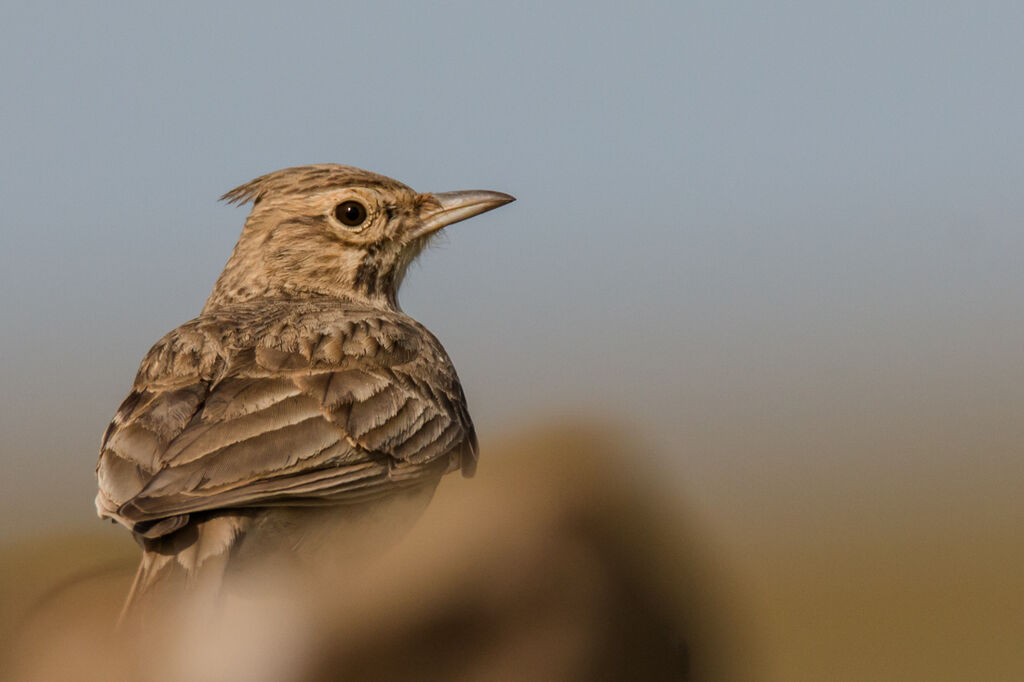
(300, 393)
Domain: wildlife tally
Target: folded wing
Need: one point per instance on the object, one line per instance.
(321, 406)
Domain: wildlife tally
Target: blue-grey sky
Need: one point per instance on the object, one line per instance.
(783, 241)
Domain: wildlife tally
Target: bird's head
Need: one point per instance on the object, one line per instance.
(335, 230)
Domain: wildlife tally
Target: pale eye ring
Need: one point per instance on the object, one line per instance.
(350, 213)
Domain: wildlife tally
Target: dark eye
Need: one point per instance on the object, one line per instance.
(350, 213)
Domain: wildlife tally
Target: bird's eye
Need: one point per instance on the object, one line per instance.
(350, 213)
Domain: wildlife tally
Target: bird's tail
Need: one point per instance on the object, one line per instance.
(193, 559)
(135, 592)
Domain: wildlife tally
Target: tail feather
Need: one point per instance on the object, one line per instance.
(195, 556)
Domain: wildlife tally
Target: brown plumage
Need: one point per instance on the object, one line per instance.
(300, 393)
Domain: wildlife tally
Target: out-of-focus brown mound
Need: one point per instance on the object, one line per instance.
(561, 560)
(555, 563)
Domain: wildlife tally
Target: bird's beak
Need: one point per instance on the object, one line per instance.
(455, 206)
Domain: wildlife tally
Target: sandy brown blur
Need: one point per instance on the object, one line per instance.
(558, 562)
(565, 559)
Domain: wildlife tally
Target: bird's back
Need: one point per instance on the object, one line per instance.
(283, 404)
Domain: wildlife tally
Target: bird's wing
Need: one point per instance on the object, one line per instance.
(302, 413)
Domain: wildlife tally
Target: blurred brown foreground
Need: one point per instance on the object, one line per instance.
(561, 560)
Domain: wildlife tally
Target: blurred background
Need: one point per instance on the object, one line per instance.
(777, 249)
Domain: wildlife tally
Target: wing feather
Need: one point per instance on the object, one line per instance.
(211, 436)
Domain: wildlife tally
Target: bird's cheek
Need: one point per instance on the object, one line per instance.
(349, 259)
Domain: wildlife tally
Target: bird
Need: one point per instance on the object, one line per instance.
(301, 397)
